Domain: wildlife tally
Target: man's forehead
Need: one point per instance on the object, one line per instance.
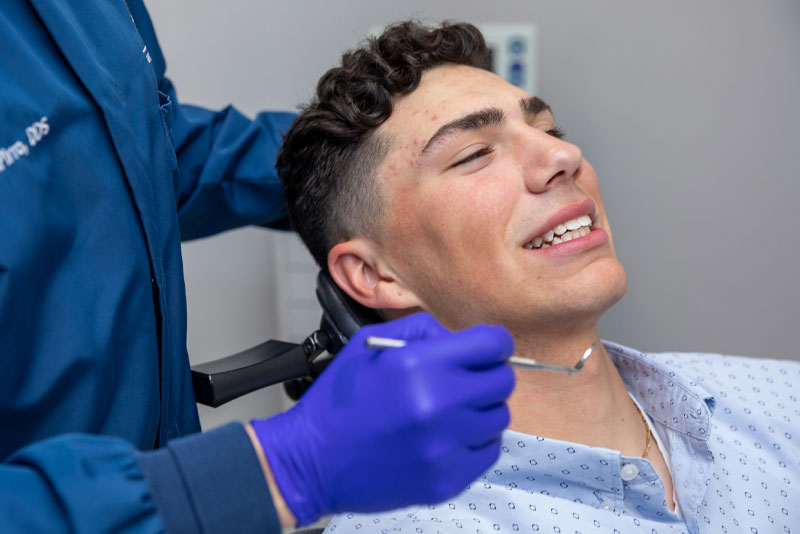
(446, 94)
(446, 91)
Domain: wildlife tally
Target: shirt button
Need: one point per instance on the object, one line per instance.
(629, 472)
(607, 506)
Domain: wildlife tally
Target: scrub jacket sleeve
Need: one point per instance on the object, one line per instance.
(209, 483)
(226, 161)
(226, 168)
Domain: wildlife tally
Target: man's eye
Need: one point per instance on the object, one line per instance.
(475, 155)
(556, 132)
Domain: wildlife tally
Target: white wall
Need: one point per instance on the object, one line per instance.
(688, 111)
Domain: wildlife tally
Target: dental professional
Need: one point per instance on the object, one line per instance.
(102, 173)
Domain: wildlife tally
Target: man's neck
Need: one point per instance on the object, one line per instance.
(591, 407)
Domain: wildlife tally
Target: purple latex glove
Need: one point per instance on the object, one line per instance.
(385, 429)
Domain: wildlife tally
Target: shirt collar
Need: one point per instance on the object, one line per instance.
(668, 396)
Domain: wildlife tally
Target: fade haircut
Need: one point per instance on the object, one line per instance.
(329, 157)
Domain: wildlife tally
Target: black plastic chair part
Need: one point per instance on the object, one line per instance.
(273, 362)
(341, 315)
(341, 318)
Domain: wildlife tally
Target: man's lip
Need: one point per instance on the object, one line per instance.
(567, 213)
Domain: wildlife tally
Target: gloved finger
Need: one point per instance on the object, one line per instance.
(413, 327)
(474, 348)
(485, 454)
(487, 386)
(349, 362)
(474, 428)
(464, 466)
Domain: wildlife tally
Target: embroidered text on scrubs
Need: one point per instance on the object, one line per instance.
(35, 132)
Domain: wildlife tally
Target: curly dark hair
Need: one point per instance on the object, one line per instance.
(330, 154)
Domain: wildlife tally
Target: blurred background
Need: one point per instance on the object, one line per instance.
(689, 112)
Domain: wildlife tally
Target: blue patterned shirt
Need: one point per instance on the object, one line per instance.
(726, 425)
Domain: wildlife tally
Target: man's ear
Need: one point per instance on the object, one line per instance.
(356, 268)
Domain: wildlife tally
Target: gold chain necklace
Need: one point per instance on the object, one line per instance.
(647, 428)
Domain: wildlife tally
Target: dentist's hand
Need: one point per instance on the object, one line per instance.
(385, 429)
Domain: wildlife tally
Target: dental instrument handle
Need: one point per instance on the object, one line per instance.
(381, 343)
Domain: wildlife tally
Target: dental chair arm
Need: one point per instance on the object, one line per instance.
(272, 362)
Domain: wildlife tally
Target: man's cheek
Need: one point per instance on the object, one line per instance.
(404, 218)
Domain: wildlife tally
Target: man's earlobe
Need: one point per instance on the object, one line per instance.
(355, 268)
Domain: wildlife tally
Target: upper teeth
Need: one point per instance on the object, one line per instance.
(566, 231)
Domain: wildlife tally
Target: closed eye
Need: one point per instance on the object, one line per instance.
(556, 132)
(485, 151)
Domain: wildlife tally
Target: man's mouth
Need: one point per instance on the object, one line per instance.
(566, 231)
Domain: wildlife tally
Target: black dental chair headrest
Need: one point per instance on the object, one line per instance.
(341, 315)
(341, 318)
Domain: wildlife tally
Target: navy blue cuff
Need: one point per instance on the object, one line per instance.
(209, 483)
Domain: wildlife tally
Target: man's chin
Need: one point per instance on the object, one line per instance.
(571, 312)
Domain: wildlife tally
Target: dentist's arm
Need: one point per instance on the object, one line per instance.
(226, 161)
(378, 430)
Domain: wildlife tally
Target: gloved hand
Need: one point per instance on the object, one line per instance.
(385, 429)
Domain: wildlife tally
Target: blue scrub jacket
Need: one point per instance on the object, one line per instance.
(102, 173)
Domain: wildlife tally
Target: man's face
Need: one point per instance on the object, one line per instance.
(474, 175)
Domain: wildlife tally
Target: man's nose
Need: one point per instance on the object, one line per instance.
(554, 161)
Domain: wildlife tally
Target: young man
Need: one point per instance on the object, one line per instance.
(421, 180)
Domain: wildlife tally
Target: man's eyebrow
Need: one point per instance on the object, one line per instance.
(533, 106)
(473, 121)
(485, 117)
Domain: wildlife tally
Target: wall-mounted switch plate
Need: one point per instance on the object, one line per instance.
(514, 53)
